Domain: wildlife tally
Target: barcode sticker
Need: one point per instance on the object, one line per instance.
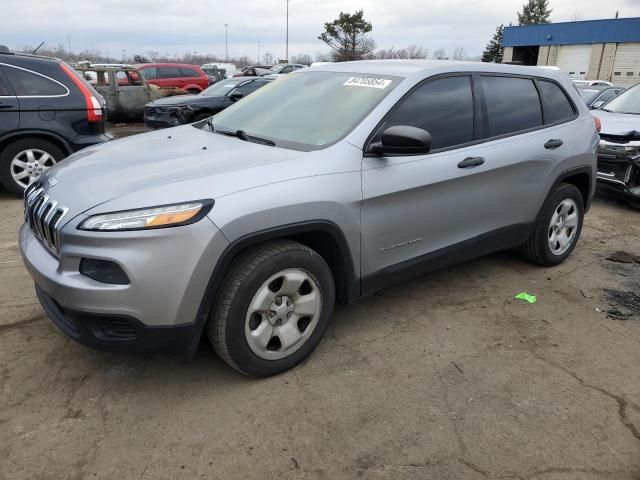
(367, 82)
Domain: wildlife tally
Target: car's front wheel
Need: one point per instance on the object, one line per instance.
(24, 161)
(273, 309)
(557, 227)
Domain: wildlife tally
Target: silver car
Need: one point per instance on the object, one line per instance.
(322, 187)
(619, 155)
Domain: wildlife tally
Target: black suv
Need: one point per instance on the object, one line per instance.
(47, 111)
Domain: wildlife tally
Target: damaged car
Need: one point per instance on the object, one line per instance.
(619, 151)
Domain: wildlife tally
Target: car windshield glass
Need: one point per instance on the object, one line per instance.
(220, 89)
(307, 111)
(627, 102)
(277, 68)
(588, 94)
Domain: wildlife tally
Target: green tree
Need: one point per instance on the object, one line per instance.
(493, 50)
(535, 12)
(347, 37)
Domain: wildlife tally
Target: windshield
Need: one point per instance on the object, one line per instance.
(627, 102)
(589, 94)
(307, 111)
(220, 89)
(277, 68)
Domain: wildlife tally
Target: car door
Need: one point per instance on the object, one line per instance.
(467, 194)
(9, 107)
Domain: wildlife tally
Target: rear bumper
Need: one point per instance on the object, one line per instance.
(118, 333)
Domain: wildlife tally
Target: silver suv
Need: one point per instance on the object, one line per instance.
(327, 185)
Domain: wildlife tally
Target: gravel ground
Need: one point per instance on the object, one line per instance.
(445, 377)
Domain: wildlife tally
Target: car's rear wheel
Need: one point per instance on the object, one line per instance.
(557, 227)
(273, 309)
(24, 161)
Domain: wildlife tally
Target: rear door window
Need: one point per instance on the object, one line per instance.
(556, 105)
(30, 84)
(513, 105)
(4, 90)
(442, 107)
(168, 72)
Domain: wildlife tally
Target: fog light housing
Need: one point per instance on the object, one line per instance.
(103, 271)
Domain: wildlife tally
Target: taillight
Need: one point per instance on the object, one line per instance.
(598, 123)
(94, 110)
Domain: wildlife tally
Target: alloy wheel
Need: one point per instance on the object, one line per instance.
(28, 165)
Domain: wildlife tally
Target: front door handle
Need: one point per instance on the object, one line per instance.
(471, 162)
(553, 144)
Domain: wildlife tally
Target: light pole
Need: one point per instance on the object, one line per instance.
(69, 42)
(258, 51)
(226, 41)
(286, 55)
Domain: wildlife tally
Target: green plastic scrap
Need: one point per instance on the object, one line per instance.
(526, 297)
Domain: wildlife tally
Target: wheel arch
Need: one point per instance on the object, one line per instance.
(44, 135)
(582, 179)
(322, 236)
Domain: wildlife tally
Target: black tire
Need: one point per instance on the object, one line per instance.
(194, 91)
(226, 326)
(537, 248)
(11, 150)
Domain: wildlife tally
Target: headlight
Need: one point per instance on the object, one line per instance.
(149, 218)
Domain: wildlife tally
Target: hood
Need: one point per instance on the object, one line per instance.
(175, 100)
(618, 123)
(164, 160)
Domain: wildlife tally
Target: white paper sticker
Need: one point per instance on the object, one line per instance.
(367, 82)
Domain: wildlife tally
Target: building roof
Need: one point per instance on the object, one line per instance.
(620, 30)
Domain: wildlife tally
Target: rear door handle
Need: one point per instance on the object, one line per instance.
(553, 144)
(471, 162)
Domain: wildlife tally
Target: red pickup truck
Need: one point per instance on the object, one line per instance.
(187, 77)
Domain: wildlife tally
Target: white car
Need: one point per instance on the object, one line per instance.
(592, 83)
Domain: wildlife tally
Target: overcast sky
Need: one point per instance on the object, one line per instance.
(180, 26)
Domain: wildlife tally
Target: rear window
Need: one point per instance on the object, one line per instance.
(513, 105)
(556, 105)
(189, 72)
(30, 84)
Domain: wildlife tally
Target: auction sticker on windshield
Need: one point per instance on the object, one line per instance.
(367, 82)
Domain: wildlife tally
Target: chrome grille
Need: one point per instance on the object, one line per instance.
(43, 214)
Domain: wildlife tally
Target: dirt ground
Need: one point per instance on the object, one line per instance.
(445, 377)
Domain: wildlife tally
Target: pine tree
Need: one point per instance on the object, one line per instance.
(493, 50)
(535, 12)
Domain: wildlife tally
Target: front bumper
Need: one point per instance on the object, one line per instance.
(156, 118)
(619, 168)
(168, 271)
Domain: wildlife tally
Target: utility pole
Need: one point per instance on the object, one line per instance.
(258, 52)
(286, 55)
(69, 42)
(226, 41)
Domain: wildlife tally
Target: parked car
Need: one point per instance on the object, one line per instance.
(619, 152)
(254, 71)
(285, 68)
(125, 90)
(173, 111)
(187, 77)
(592, 83)
(47, 111)
(226, 70)
(595, 97)
(325, 186)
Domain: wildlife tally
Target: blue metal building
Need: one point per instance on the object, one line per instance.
(593, 49)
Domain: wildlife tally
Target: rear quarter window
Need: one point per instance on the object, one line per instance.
(30, 84)
(513, 105)
(556, 105)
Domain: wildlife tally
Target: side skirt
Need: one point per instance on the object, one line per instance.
(497, 240)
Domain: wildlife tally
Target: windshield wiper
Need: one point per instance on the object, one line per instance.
(242, 135)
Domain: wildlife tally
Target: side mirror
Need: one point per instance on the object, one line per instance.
(403, 140)
(235, 96)
(597, 104)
